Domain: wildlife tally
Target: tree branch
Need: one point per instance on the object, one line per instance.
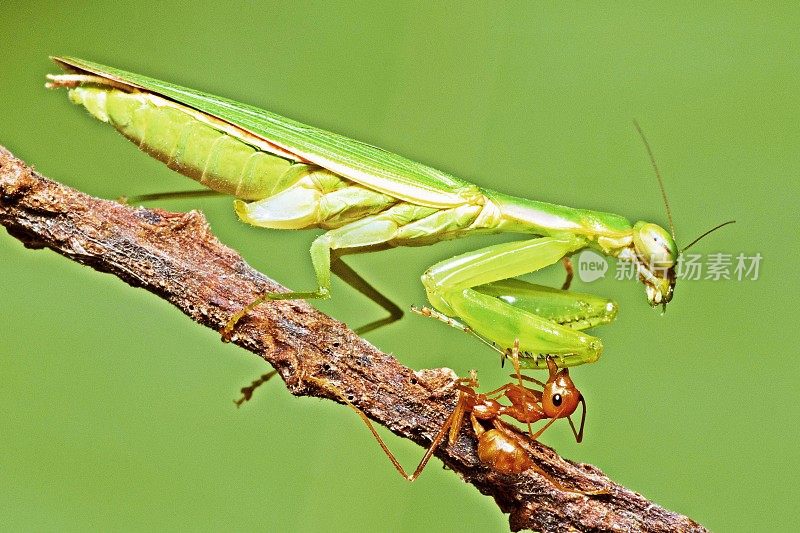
(177, 258)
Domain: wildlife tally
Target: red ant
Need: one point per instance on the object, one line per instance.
(500, 448)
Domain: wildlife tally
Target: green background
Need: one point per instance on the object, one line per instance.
(116, 409)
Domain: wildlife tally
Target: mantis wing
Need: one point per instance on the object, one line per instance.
(362, 163)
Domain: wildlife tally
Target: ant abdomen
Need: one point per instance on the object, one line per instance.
(502, 452)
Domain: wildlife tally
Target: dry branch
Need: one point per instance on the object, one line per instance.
(177, 258)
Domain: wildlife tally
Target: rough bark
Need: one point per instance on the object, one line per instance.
(176, 257)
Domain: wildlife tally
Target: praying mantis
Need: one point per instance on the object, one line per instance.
(287, 175)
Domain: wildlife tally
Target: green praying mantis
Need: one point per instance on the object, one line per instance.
(287, 175)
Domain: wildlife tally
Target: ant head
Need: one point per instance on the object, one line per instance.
(560, 397)
(656, 254)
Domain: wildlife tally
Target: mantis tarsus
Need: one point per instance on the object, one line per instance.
(287, 175)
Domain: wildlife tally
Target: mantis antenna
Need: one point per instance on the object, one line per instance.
(658, 176)
(664, 192)
(712, 230)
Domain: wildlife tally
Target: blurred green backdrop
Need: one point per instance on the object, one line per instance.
(116, 409)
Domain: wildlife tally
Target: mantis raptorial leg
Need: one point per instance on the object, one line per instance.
(451, 287)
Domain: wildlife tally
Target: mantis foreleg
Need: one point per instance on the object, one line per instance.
(474, 288)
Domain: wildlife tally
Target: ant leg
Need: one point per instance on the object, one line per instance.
(515, 360)
(247, 392)
(543, 428)
(534, 380)
(476, 426)
(456, 417)
(457, 413)
(567, 261)
(499, 391)
(466, 388)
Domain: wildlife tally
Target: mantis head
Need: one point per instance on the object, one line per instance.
(560, 397)
(654, 249)
(655, 254)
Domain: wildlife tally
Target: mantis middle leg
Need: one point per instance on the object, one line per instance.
(369, 234)
(337, 266)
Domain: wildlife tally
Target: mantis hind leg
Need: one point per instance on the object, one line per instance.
(337, 267)
(344, 272)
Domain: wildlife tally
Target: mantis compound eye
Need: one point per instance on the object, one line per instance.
(654, 246)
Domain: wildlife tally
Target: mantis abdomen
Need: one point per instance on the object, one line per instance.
(305, 195)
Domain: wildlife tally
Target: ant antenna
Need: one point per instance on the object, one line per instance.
(712, 230)
(658, 175)
(579, 434)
